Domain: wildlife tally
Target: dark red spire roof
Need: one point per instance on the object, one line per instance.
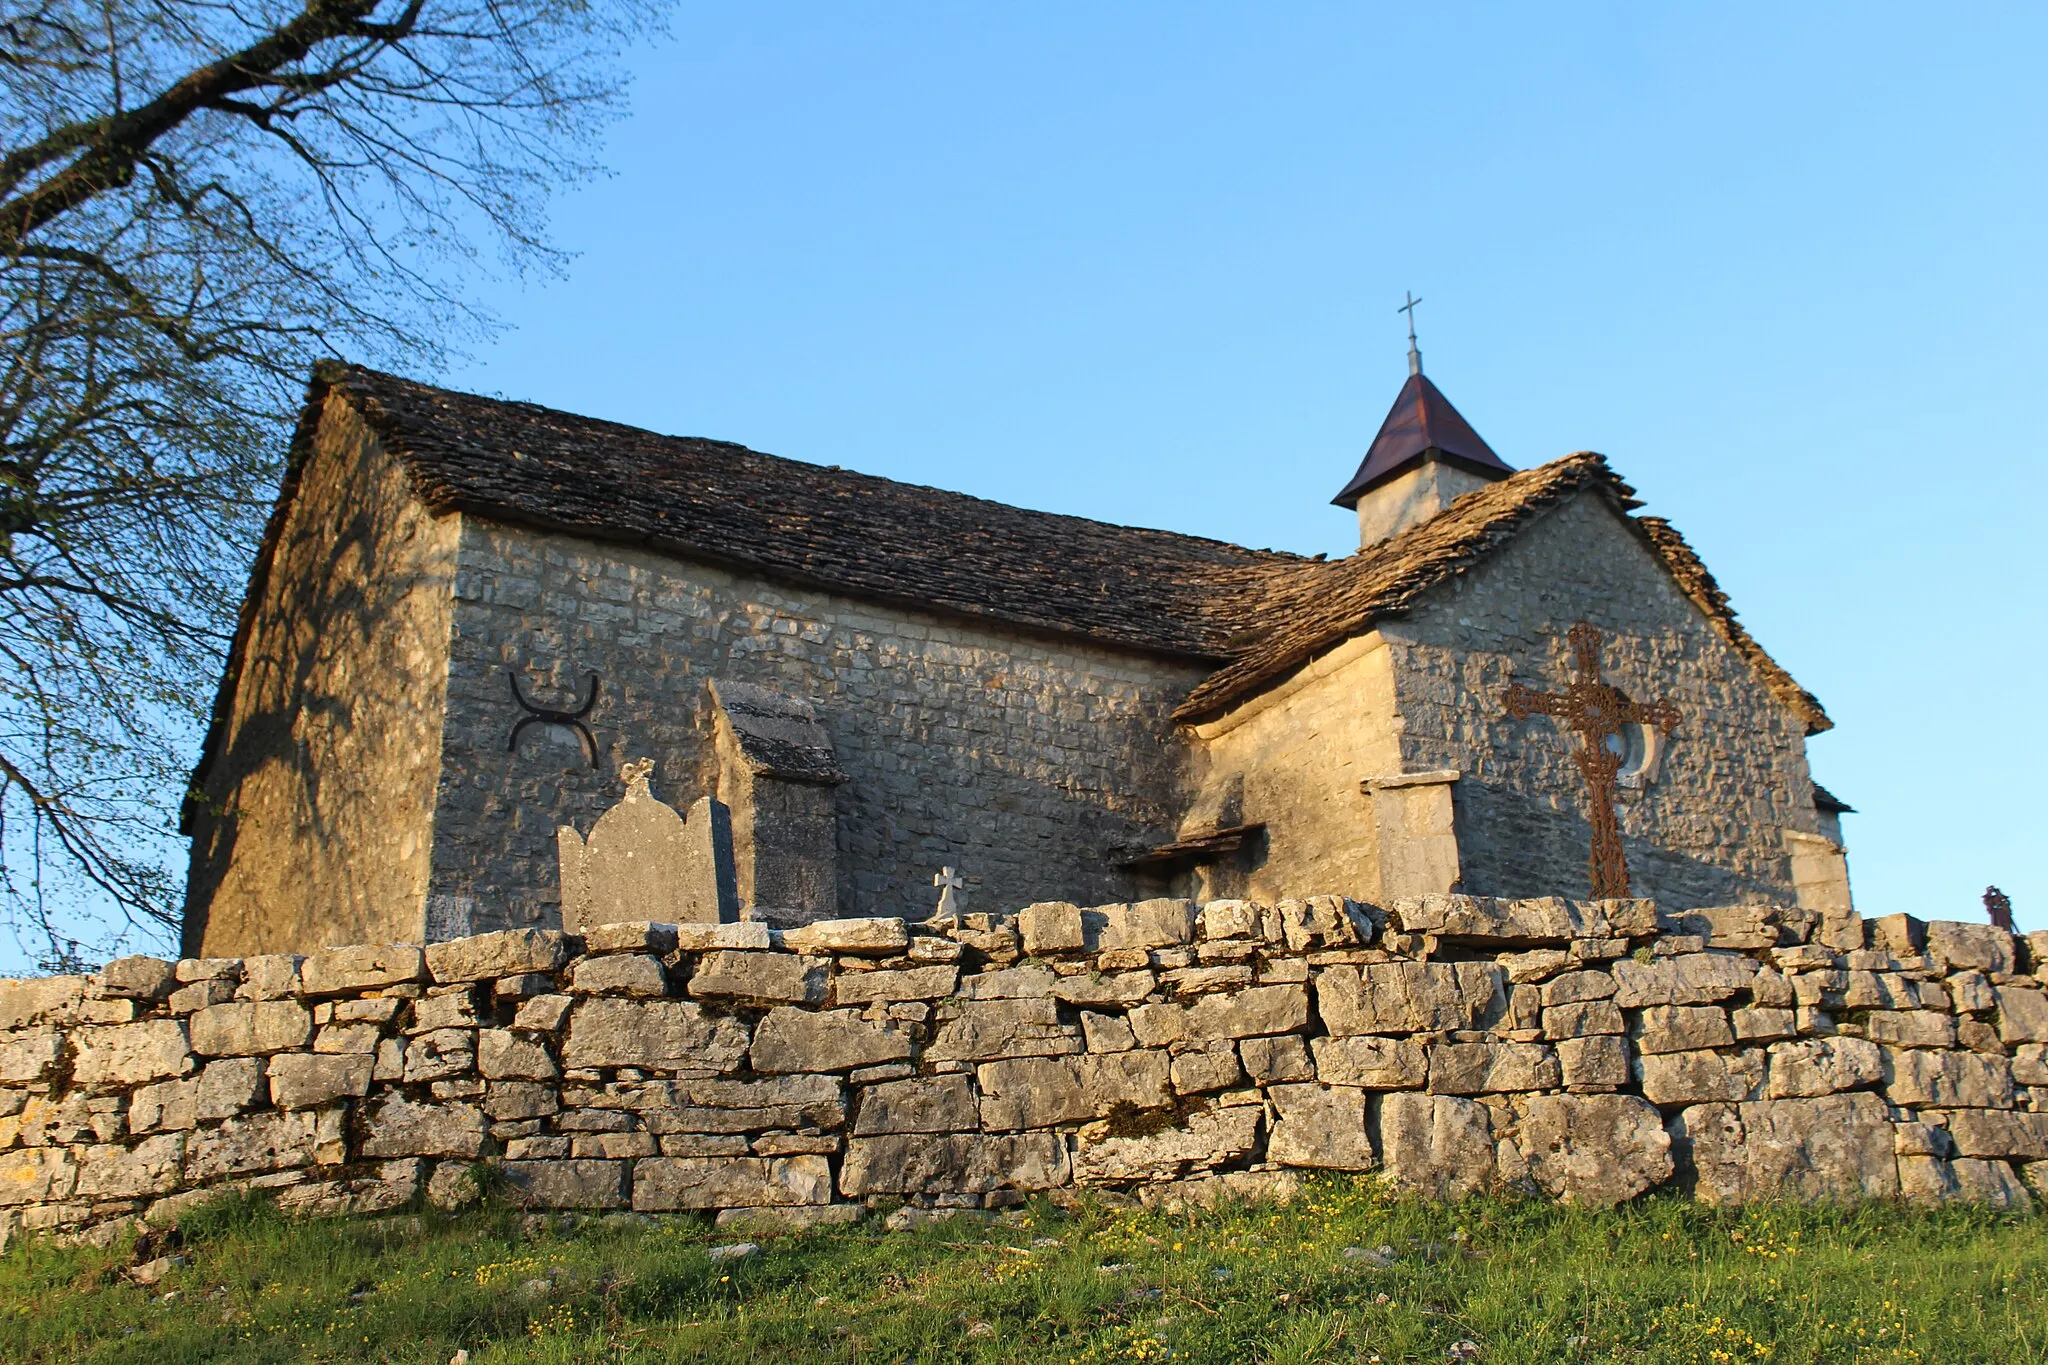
(1422, 420)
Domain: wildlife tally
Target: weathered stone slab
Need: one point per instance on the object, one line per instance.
(445, 1054)
(137, 978)
(630, 936)
(706, 1106)
(1584, 1020)
(1051, 927)
(921, 1104)
(1832, 1147)
(511, 1101)
(1910, 1028)
(1577, 988)
(29, 1055)
(1698, 1077)
(1688, 979)
(255, 1143)
(1233, 919)
(864, 937)
(1147, 924)
(1320, 1126)
(1009, 983)
(633, 974)
(250, 1028)
(1491, 1068)
(1201, 1142)
(272, 976)
(1924, 1079)
(129, 1054)
(1595, 1150)
(1199, 1071)
(152, 1166)
(301, 1080)
(40, 1000)
(737, 936)
(1758, 1024)
(916, 983)
(1985, 947)
(1498, 922)
(1998, 1133)
(1600, 1062)
(1407, 997)
(1256, 1012)
(658, 1035)
(1096, 988)
(1371, 1063)
(1989, 1182)
(1038, 1092)
(586, 1184)
(985, 1030)
(504, 1055)
(793, 1040)
(1438, 1145)
(1822, 1066)
(2022, 1015)
(1269, 1061)
(509, 952)
(402, 1127)
(36, 1175)
(1886, 991)
(338, 971)
(396, 1184)
(1324, 922)
(761, 978)
(1683, 1028)
(959, 1163)
(221, 1090)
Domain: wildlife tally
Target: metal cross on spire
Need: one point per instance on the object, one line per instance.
(1414, 355)
(1599, 711)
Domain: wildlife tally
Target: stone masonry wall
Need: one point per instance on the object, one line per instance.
(1709, 830)
(1021, 761)
(1589, 1051)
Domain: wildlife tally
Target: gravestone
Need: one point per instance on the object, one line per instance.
(778, 772)
(643, 861)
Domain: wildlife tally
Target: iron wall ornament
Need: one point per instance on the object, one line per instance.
(1598, 711)
(541, 715)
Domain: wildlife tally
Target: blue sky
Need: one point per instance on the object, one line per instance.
(1783, 265)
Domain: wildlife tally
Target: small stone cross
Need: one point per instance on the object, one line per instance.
(1597, 710)
(949, 904)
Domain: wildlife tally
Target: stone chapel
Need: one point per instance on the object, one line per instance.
(469, 616)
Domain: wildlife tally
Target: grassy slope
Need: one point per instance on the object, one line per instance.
(1526, 1281)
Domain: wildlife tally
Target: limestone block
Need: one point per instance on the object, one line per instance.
(271, 976)
(402, 1127)
(1013, 983)
(221, 1090)
(2030, 1064)
(1595, 1150)
(1843, 931)
(137, 978)
(1673, 1078)
(1201, 1070)
(657, 1035)
(1324, 922)
(456, 1009)
(2022, 1015)
(129, 1054)
(1923, 1079)
(197, 996)
(152, 1166)
(916, 983)
(634, 974)
(566, 1184)
(1899, 935)
(542, 1013)
(1581, 1021)
(1269, 1061)
(926, 1163)
(347, 1038)
(250, 1028)
(339, 971)
(40, 1000)
(1910, 1028)
(629, 936)
(28, 1055)
(1890, 991)
(1147, 924)
(1051, 927)
(1998, 1133)
(1493, 920)
(1408, 997)
(508, 952)
(1490, 1068)
(761, 978)
(1599, 1062)
(1989, 1182)
(711, 1106)
(864, 937)
(300, 1080)
(1371, 1063)
(984, 1030)
(1985, 947)
(1822, 1066)
(512, 1101)
(504, 1055)
(1689, 979)
(1095, 988)
(1743, 928)
(704, 937)
(253, 1144)
(795, 1040)
(1761, 1025)
(1225, 920)
(1321, 1126)
(1536, 965)
(444, 1054)
(1200, 1142)
(922, 1104)
(36, 1175)
(1438, 1145)
(1832, 1147)
(396, 1184)
(1037, 1092)
(1683, 1028)
(192, 969)
(1577, 988)
(1107, 1033)
(1971, 993)
(1191, 981)
(1258, 1011)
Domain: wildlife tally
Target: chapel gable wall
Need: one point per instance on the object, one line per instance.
(1023, 761)
(1709, 830)
(314, 824)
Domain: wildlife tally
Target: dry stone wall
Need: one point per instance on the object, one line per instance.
(1591, 1051)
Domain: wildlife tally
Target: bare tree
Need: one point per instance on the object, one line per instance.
(197, 199)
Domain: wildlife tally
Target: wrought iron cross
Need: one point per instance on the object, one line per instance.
(1414, 356)
(1597, 710)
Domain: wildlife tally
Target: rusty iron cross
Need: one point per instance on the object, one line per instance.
(1598, 710)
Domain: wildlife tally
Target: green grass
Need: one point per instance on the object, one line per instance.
(1664, 1281)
